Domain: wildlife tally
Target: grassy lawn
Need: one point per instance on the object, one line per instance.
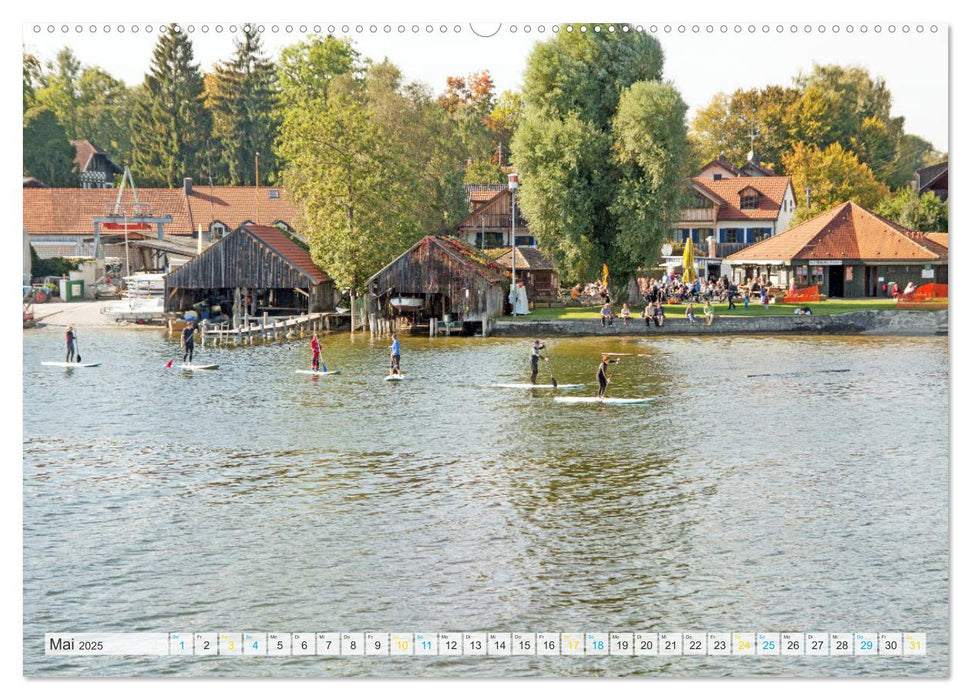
(831, 306)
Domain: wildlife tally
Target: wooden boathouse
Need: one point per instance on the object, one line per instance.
(252, 271)
(439, 279)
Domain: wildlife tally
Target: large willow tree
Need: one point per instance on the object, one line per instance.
(601, 149)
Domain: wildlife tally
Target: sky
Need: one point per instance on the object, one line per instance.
(700, 58)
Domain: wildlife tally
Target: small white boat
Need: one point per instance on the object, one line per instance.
(407, 302)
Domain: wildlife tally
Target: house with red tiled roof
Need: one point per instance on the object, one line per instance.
(489, 225)
(94, 167)
(730, 208)
(847, 251)
(67, 221)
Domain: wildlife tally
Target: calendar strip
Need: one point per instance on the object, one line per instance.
(488, 644)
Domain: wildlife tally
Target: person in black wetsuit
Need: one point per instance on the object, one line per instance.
(602, 378)
(188, 342)
(70, 337)
(534, 358)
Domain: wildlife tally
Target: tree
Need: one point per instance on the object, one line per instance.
(651, 146)
(835, 176)
(31, 71)
(581, 168)
(89, 102)
(59, 89)
(306, 69)
(502, 122)
(48, 155)
(725, 125)
(342, 169)
(242, 95)
(170, 123)
(104, 112)
(913, 153)
(924, 213)
(375, 166)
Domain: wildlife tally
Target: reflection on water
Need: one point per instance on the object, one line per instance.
(256, 498)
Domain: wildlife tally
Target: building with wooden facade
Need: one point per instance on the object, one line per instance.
(489, 225)
(440, 277)
(534, 270)
(847, 251)
(933, 178)
(259, 266)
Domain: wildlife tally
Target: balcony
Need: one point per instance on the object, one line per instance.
(703, 215)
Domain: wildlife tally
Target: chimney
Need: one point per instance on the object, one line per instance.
(187, 185)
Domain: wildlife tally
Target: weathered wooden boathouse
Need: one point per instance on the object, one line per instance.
(439, 278)
(253, 270)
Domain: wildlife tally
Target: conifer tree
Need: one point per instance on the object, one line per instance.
(170, 123)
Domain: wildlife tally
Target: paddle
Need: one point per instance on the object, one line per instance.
(610, 374)
(77, 349)
(552, 378)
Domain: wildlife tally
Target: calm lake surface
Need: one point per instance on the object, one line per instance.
(254, 498)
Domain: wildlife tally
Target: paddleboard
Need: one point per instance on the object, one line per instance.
(71, 364)
(394, 378)
(319, 374)
(538, 386)
(195, 367)
(594, 399)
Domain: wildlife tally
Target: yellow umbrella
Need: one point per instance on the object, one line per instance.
(689, 261)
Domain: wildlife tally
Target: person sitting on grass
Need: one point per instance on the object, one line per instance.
(804, 311)
(689, 313)
(709, 312)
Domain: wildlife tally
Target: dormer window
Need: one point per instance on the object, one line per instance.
(274, 194)
(749, 198)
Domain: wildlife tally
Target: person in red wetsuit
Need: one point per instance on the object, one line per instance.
(315, 362)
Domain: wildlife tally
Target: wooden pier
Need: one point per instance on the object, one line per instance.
(250, 331)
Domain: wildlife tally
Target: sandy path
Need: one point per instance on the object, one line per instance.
(83, 314)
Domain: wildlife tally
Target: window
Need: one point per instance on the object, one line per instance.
(718, 176)
(750, 201)
(490, 239)
(217, 230)
(759, 234)
(274, 194)
(525, 240)
(731, 235)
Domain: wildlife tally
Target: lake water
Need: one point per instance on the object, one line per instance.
(253, 498)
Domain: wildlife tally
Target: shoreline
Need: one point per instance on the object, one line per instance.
(880, 322)
(87, 314)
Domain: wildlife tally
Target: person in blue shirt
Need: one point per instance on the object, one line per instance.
(534, 358)
(395, 356)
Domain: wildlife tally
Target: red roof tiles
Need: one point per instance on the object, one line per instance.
(772, 190)
(280, 242)
(845, 232)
